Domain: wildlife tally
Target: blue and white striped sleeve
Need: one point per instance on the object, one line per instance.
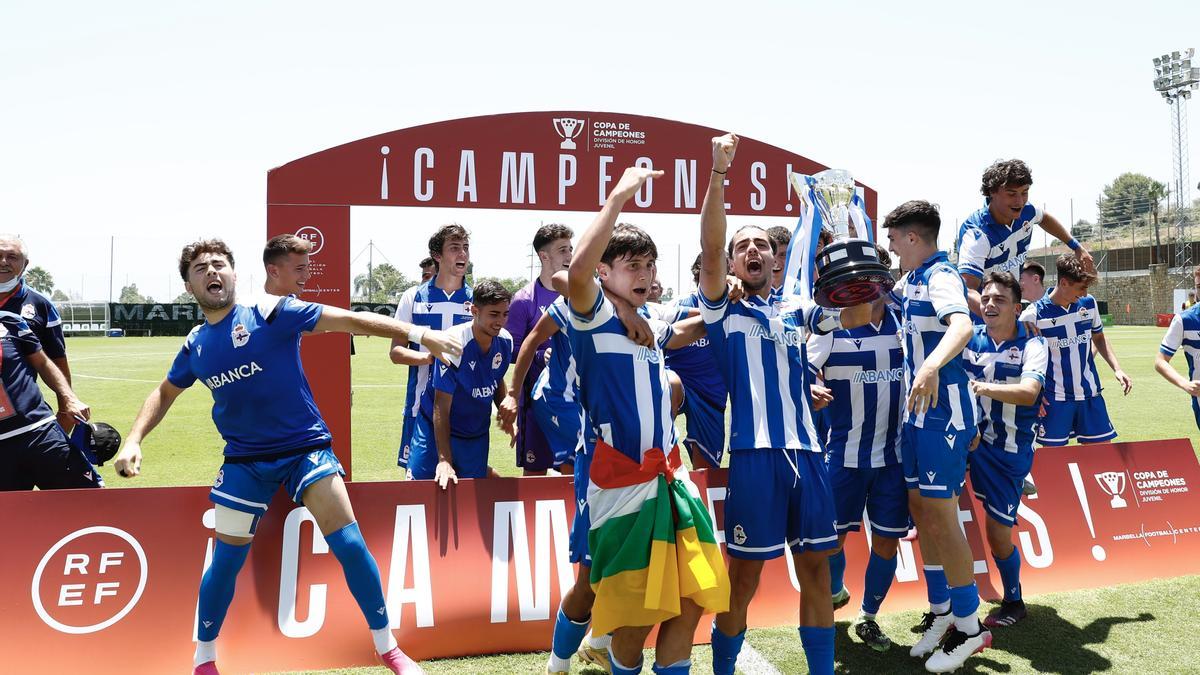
(973, 248)
(1097, 322)
(947, 294)
(1173, 340)
(818, 348)
(1034, 360)
(602, 310)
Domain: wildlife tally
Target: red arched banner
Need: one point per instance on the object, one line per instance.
(546, 161)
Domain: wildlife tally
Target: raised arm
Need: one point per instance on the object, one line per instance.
(1057, 230)
(128, 461)
(713, 260)
(337, 319)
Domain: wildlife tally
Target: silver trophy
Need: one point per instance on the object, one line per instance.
(568, 128)
(1113, 484)
(849, 271)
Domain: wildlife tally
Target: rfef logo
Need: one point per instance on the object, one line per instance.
(314, 236)
(89, 580)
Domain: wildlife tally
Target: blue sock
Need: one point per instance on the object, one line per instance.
(362, 574)
(818, 649)
(678, 668)
(216, 588)
(964, 602)
(837, 572)
(937, 588)
(568, 635)
(619, 669)
(880, 572)
(725, 649)
(1010, 574)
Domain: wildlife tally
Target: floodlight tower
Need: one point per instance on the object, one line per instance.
(1175, 79)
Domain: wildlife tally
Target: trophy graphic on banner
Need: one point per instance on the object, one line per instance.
(1113, 484)
(568, 128)
(848, 271)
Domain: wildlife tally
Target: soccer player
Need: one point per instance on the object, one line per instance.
(1184, 332)
(1069, 320)
(864, 370)
(428, 269)
(285, 259)
(440, 303)
(781, 237)
(35, 449)
(450, 440)
(552, 243)
(36, 309)
(1033, 283)
(249, 357)
(656, 291)
(636, 465)
(996, 237)
(1007, 366)
(778, 493)
(939, 426)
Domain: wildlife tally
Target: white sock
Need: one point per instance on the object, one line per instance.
(967, 624)
(559, 665)
(863, 616)
(384, 640)
(601, 642)
(940, 608)
(205, 652)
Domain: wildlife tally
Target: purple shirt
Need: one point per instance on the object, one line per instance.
(526, 309)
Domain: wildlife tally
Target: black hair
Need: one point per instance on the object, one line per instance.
(917, 215)
(550, 233)
(696, 269)
(729, 249)
(1005, 172)
(780, 235)
(489, 292)
(628, 241)
(428, 262)
(1004, 280)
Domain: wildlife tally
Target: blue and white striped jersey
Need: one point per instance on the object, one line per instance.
(430, 307)
(558, 383)
(864, 367)
(696, 365)
(1071, 374)
(1007, 426)
(622, 385)
(928, 296)
(761, 353)
(1184, 333)
(985, 245)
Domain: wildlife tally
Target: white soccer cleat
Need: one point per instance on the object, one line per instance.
(936, 627)
(957, 648)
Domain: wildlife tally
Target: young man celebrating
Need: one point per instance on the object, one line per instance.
(1183, 333)
(249, 357)
(864, 370)
(450, 440)
(778, 492)
(996, 237)
(1070, 321)
(939, 426)
(439, 304)
(1007, 366)
(1033, 283)
(654, 554)
(552, 243)
(285, 259)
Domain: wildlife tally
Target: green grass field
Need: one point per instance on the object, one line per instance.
(1142, 627)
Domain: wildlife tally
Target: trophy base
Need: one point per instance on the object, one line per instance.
(849, 273)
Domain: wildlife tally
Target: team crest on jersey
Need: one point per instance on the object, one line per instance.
(1013, 354)
(496, 361)
(467, 307)
(739, 535)
(240, 335)
(28, 312)
(530, 457)
(220, 479)
(1083, 313)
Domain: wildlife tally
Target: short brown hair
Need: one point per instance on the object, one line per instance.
(1072, 269)
(196, 248)
(282, 245)
(1005, 173)
(444, 234)
(628, 241)
(917, 215)
(1004, 280)
(1036, 270)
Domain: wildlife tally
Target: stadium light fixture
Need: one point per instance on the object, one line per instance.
(1175, 79)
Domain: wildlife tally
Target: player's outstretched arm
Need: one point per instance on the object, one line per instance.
(686, 331)
(1057, 230)
(506, 412)
(713, 263)
(1023, 393)
(128, 461)
(1105, 350)
(444, 473)
(339, 320)
(581, 289)
(68, 402)
(1162, 365)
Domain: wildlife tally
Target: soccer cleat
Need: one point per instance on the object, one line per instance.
(1006, 614)
(206, 668)
(872, 635)
(398, 662)
(935, 628)
(1028, 489)
(957, 648)
(595, 657)
(841, 598)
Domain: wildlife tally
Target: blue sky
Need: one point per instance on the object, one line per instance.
(155, 123)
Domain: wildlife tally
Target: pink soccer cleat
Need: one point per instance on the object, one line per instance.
(398, 662)
(206, 668)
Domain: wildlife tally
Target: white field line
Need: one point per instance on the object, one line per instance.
(113, 379)
(101, 357)
(751, 662)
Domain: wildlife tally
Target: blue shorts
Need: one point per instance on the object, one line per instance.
(880, 491)
(935, 457)
(406, 432)
(43, 458)
(1086, 420)
(997, 477)
(561, 423)
(579, 551)
(778, 498)
(249, 486)
(470, 453)
(705, 428)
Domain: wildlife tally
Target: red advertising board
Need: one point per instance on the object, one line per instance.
(481, 568)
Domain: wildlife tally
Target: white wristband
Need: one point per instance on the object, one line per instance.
(416, 333)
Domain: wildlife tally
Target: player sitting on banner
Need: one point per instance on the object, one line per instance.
(249, 357)
(1183, 333)
(996, 237)
(939, 426)
(1070, 321)
(1007, 366)
(439, 304)
(864, 370)
(655, 559)
(450, 440)
(778, 492)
